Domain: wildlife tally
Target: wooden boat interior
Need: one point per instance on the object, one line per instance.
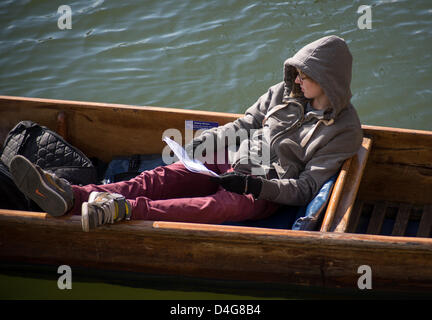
(395, 194)
(389, 178)
(380, 216)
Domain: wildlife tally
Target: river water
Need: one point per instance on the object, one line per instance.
(214, 55)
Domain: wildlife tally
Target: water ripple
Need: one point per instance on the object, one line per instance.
(214, 55)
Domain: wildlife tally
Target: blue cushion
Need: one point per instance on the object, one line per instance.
(315, 208)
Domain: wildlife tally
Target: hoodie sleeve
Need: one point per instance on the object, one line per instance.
(252, 119)
(324, 164)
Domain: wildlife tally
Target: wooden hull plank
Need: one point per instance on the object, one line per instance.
(219, 252)
(425, 222)
(401, 220)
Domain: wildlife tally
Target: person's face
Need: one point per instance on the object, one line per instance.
(310, 88)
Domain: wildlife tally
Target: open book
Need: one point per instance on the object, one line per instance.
(193, 165)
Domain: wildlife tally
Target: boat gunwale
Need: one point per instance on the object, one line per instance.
(143, 108)
(221, 232)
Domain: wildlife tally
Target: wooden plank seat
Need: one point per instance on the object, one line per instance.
(391, 218)
(344, 193)
(425, 226)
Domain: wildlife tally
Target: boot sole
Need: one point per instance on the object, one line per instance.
(28, 179)
(85, 218)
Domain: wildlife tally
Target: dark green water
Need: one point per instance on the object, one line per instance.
(209, 55)
(39, 286)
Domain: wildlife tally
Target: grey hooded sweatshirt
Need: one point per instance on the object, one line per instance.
(305, 147)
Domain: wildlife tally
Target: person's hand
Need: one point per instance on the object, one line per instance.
(233, 182)
(240, 183)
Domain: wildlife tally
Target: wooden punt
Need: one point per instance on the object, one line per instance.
(387, 184)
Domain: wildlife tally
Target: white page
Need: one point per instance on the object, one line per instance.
(193, 165)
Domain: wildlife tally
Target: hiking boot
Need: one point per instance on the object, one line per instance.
(102, 208)
(53, 194)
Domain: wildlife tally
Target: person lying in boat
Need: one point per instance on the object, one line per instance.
(312, 129)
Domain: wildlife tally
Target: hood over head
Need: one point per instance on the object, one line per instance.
(327, 61)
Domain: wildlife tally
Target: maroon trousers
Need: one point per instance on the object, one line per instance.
(173, 193)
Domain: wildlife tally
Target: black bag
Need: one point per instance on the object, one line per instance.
(50, 151)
